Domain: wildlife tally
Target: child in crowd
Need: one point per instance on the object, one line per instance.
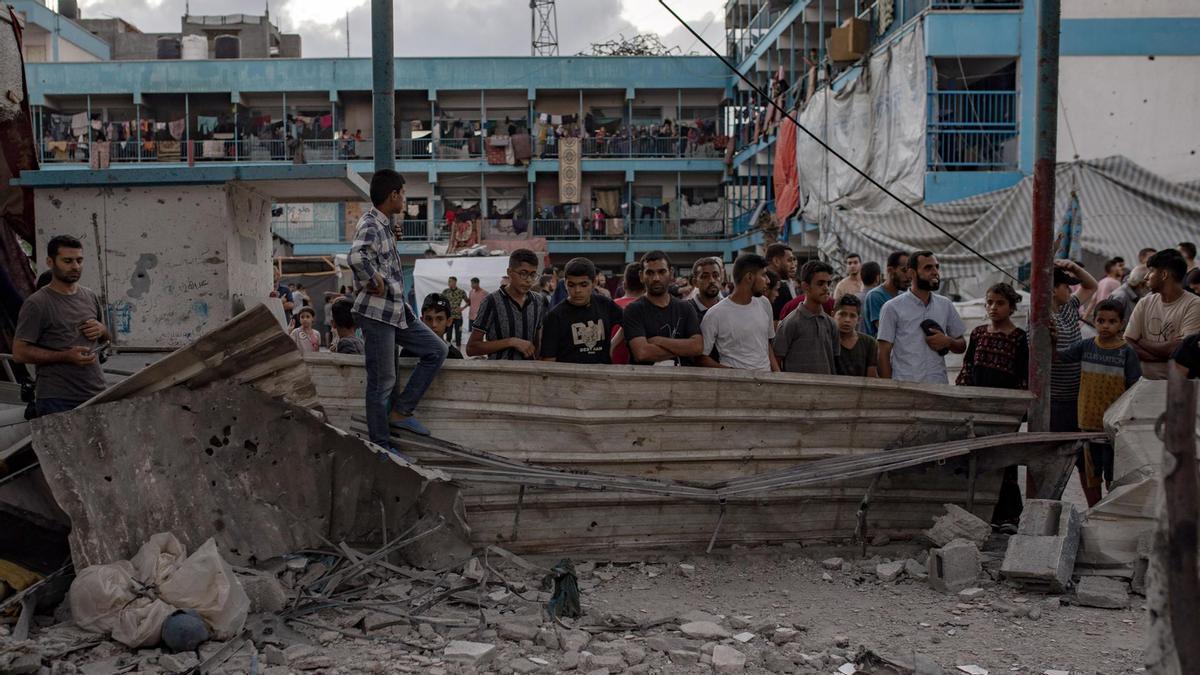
(306, 337)
(342, 317)
(435, 313)
(859, 353)
(998, 352)
(1109, 366)
(997, 356)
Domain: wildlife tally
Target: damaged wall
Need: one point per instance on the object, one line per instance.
(169, 262)
(261, 476)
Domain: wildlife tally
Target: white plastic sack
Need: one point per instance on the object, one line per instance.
(131, 599)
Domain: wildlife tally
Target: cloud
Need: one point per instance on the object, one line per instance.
(442, 27)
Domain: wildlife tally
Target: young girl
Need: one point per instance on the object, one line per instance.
(998, 353)
(307, 339)
(998, 356)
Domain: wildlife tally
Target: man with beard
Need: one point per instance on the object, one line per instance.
(782, 261)
(661, 329)
(741, 326)
(1164, 318)
(896, 283)
(707, 276)
(59, 329)
(919, 327)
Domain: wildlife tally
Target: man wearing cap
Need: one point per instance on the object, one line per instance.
(436, 313)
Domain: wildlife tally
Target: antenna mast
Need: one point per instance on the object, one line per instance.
(543, 28)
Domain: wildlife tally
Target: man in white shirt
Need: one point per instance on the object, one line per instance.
(742, 325)
(1164, 318)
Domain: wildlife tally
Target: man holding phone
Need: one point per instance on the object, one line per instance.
(60, 330)
(386, 320)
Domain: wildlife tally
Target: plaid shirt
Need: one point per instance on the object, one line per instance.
(374, 251)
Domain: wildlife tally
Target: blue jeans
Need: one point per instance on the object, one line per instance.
(49, 406)
(383, 387)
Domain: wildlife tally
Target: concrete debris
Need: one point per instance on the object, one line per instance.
(1104, 592)
(704, 630)
(1042, 553)
(469, 653)
(265, 592)
(970, 593)
(889, 571)
(832, 563)
(213, 471)
(915, 570)
(744, 637)
(574, 640)
(958, 523)
(726, 659)
(954, 566)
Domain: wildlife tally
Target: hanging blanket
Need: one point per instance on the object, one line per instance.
(569, 173)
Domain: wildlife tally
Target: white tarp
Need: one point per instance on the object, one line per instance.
(430, 274)
(1124, 207)
(878, 123)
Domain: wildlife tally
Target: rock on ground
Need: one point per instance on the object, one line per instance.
(726, 659)
(1104, 592)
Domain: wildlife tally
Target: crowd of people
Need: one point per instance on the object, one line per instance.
(767, 315)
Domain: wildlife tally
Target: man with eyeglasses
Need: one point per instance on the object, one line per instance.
(510, 319)
(386, 320)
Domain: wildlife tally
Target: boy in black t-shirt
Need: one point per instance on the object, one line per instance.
(579, 330)
(435, 313)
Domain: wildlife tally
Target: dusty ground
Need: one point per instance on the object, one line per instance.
(783, 609)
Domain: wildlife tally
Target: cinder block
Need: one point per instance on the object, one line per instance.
(954, 566)
(1042, 553)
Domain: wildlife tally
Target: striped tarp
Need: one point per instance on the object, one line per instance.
(1125, 208)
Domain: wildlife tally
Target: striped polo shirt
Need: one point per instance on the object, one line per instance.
(500, 317)
(1064, 376)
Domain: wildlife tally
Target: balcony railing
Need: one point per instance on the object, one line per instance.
(976, 4)
(329, 150)
(972, 131)
(638, 230)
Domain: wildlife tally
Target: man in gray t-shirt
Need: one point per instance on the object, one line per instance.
(59, 330)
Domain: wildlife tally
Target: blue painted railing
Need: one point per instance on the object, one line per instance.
(972, 131)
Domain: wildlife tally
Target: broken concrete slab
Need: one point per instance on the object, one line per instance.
(889, 571)
(958, 523)
(264, 590)
(726, 659)
(261, 476)
(954, 566)
(1104, 592)
(469, 653)
(1042, 553)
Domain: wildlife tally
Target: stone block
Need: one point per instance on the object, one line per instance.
(954, 566)
(669, 643)
(1044, 560)
(915, 570)
(889, 571)
(958, 523)
(517, 629)
(469, 653)
(726, 659)
(1104, 592)
(573, 640)
(832, 563)
(610, 662)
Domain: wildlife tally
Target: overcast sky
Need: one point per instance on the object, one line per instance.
(441, 27)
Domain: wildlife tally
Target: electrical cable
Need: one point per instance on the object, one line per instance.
(759, 90)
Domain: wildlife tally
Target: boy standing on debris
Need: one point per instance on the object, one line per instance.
(60, 330)
(386, 321)
(1109, 366)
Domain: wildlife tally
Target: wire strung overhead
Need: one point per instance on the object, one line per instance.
(771, 101)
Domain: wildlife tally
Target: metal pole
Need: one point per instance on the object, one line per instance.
(383, 84)
(1180, 494)
(1049, 21)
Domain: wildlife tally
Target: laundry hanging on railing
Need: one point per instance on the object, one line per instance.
(176, 128)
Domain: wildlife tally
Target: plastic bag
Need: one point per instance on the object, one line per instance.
(131, 599)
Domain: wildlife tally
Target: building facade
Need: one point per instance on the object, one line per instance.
(676, 152)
